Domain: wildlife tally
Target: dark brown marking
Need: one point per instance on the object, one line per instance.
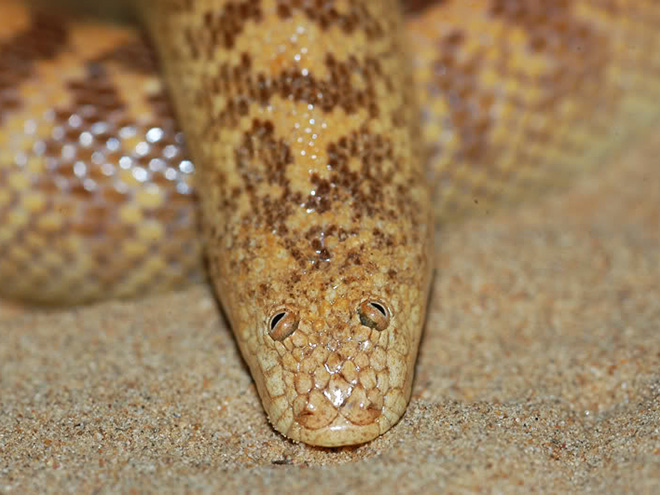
(335, 91)
(134, 56)
(417, 7)
(324, 13)
(220, 29)
(43, 40)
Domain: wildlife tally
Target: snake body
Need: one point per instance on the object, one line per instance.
(320, 182)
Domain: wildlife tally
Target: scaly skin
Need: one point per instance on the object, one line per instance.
(313, 198)
(90, 207)
(301, 119)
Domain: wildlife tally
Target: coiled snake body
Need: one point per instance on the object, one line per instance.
(324, 156)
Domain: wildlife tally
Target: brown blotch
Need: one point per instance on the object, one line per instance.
(581, 53)
(135, 56)
(324, 14)
(262, 158)
(417, 7)
(220, 28)
(43, 40)
(246, 87)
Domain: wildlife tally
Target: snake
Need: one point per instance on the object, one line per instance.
(302, 156)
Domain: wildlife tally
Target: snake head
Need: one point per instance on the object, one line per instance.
(334, 366)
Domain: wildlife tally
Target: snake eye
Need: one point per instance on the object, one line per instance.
(283, 324)
(374, 314)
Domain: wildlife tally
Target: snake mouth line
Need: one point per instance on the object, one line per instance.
(352, 423)
(341, 431)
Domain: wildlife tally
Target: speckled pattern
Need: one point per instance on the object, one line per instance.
(521, 95)
(301, 118)
(311, 160)
(95, 192)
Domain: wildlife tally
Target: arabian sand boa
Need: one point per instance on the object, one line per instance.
(328, 139)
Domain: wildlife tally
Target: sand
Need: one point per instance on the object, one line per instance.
(539, 372)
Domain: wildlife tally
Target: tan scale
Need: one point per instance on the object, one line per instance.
(317, 174)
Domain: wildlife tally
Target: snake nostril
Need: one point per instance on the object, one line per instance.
(283, 324)
(374, 314)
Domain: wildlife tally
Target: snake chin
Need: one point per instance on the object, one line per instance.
(338, 374)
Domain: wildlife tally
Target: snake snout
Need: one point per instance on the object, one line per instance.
(359, 380)
(339, 373)
(344, 412)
